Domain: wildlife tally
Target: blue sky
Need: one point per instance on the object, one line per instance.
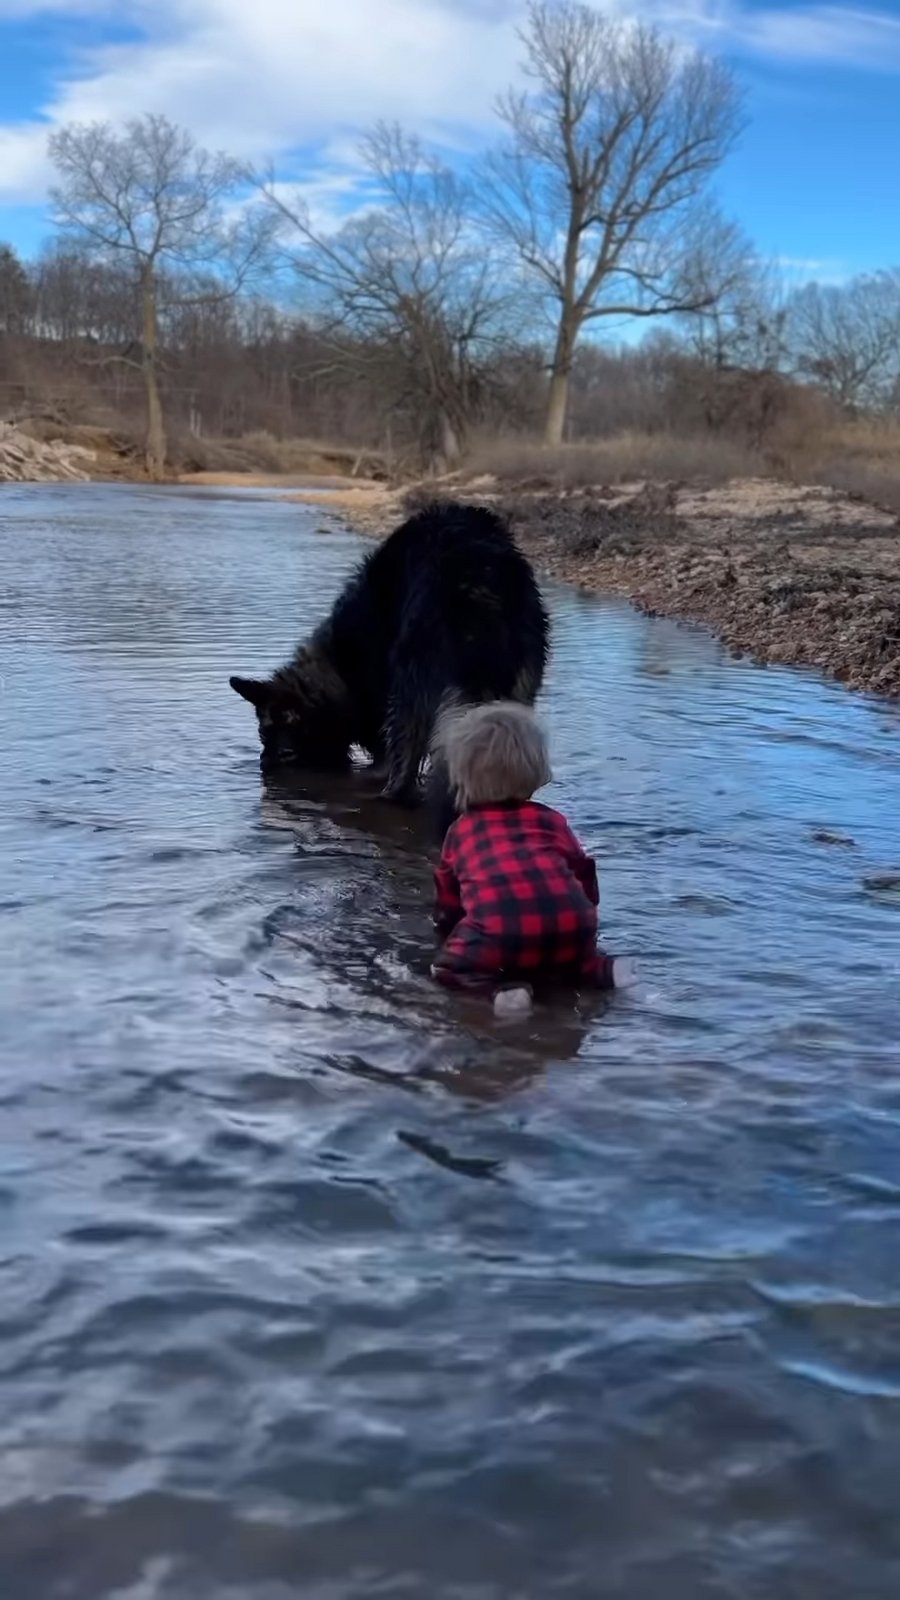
(815, 180)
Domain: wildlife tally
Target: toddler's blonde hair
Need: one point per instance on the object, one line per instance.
(493, 753)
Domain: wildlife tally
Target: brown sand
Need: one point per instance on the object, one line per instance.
(310, 482)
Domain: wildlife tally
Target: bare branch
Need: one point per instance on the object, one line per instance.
(152, 199)
(606, 158)
(110, 360)
(846, 337)
(412, 277)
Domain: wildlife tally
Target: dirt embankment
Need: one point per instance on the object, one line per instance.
(803, 576)
(782, 573)
(27, 460)
(107, 452)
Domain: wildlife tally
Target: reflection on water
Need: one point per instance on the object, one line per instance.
(315, 1281)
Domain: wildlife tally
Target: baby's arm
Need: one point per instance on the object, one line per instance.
(448, 907)
(584, 868)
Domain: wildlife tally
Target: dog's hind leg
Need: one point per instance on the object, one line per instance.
(404, 760)
(379, 767)
(527, 684)
(439, 800)
(412, 708)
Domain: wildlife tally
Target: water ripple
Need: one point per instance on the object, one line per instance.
(312, 1279)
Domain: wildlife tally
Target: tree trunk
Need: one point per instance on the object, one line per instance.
(557, 404)
(558, 398)
(442, 443)
(451, 449)
(155, 453)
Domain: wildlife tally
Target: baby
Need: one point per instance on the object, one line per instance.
(516, 896)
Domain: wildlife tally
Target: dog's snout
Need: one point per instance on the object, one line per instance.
(282, 755)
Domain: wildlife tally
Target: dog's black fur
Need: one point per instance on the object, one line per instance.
(446, 611)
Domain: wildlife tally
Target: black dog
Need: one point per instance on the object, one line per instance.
(446, 611)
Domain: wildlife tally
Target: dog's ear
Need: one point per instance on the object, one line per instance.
(255, 690)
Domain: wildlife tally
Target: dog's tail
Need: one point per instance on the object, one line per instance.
(443, 801)
(439, 797)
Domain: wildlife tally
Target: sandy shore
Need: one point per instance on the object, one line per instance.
(310, 483)
(797, 575)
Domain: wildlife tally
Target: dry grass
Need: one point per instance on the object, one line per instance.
(862, 458)
(879, 485)
(625, 458)
(869, 439)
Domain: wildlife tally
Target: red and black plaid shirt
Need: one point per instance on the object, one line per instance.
(516, 896)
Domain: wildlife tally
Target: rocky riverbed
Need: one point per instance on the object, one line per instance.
(782, 573)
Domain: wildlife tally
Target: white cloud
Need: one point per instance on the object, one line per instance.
(807, 269)
(842, 34)
(265, 78)
(329, 198)
(274, 72)
(24, 167)
(864, 36)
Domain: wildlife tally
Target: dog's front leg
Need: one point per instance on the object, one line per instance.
(379, 761)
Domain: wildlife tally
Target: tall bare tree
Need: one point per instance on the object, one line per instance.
(147, 197)
(607, 155)
(412, 278)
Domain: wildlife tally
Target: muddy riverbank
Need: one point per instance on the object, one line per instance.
(782, 573)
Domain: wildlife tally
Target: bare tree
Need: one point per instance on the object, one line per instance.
(606, 157)
(15, 292)
(147, 197)
(846, 337)
(745, 325)
(78, 300)
(411, 278)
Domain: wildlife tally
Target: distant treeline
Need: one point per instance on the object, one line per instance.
(189, 297)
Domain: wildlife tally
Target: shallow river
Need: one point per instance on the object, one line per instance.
(317, 1283)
